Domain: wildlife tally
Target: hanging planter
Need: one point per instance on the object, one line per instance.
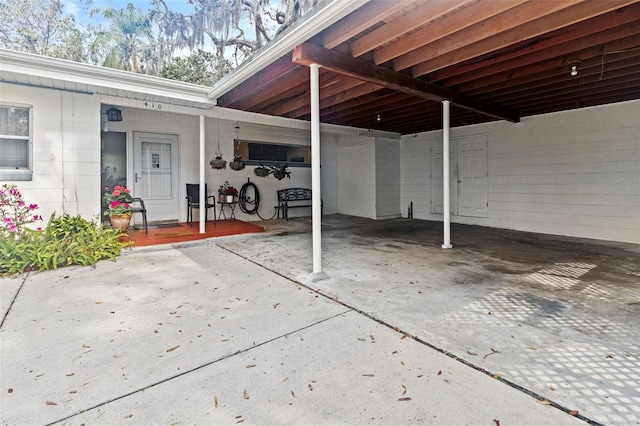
(262, 171)
(280, 172)
(237, 163)
(217, 162)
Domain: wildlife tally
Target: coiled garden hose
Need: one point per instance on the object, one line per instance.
(251, 205)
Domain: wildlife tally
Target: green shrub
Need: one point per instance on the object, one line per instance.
(67, 240)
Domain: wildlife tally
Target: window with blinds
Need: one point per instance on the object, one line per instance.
(15, 138)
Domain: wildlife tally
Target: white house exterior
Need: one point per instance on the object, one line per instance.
(574, 173)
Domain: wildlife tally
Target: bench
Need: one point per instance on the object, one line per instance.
(292, 198)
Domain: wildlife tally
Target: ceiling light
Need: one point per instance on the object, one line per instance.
(574, 68)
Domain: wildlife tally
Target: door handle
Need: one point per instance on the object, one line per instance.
(459, 181)
(136, 177)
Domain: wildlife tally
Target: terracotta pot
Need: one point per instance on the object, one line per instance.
(120, 221)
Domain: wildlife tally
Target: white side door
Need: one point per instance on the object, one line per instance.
(437, 195)
(473, 178)
(156, 174)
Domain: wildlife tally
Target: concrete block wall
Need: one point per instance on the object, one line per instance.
(65, 149)
(574, 173)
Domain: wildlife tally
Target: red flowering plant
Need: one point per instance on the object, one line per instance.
(231, 191)
(14, 211)
(119, 200)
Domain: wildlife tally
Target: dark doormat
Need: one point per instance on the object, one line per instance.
(164, 225)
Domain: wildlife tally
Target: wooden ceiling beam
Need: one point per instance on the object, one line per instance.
(279, 71)
(307, 54)
(530, 47)
(365, 17)
(442, 56)
(449, 24)
(518, 71)
(488, 29)
(415, 18)
(352, 89)
(375, 100)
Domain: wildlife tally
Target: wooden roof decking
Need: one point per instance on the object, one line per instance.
(493, 59)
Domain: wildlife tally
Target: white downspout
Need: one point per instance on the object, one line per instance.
(446, 203)
(202, 210)
(316, 195)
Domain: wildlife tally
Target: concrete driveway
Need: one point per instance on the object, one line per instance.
(231, 330)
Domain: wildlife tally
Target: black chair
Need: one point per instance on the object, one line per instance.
(140, 209)
(193, 201)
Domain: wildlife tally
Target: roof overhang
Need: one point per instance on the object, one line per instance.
(42, 71)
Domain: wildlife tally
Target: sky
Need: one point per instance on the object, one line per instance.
(80, 10)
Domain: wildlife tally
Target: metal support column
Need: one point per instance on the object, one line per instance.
(316, 193)
(202, 210)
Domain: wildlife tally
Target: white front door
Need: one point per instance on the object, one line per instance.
(156, 174)
(473, 180)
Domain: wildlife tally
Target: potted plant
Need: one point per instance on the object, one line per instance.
(261, 171)
(218, 163)
(231, 194)
(222, 191)
(119, 202)
(279, 172)
(237, 163)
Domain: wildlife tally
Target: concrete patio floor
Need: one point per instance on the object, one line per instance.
(232, 330)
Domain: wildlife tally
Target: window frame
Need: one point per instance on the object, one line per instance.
(19, 173)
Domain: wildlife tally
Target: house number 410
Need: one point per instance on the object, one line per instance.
(152, 105)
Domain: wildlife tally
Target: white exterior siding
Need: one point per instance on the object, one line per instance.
(65, 150)
(573, 173)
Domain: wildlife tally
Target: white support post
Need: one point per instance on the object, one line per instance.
(316, 194)
(446, 203)
(202, 210)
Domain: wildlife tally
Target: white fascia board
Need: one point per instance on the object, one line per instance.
(59, 69)
(305, 28)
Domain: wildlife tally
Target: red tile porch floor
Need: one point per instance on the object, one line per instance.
(182, 232)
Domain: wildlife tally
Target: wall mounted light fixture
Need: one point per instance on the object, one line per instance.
(114, 114)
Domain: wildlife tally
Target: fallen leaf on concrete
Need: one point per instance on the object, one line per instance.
(497, 376)
(404, 392)
(405, 399)
(543, 401)
(99, 303)
(285, 379)
(310, 387)
(215, 401)
(294, 395)
(552, 387)
(70, 374)
(251, 365)
(368, 375)
(404, 336)
(51, 403)
(439, 372)
(276, 305)
(362, 339)
(497, 422)
(245, 394)
(73, 391)
(609, 356)
(84, 345)
(573, 412)
(128, 416)
(10, 390)
(240, 421)
(173, 348)
(471, 352)
(489, 313)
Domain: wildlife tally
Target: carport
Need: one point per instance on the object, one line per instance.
(411, 67)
